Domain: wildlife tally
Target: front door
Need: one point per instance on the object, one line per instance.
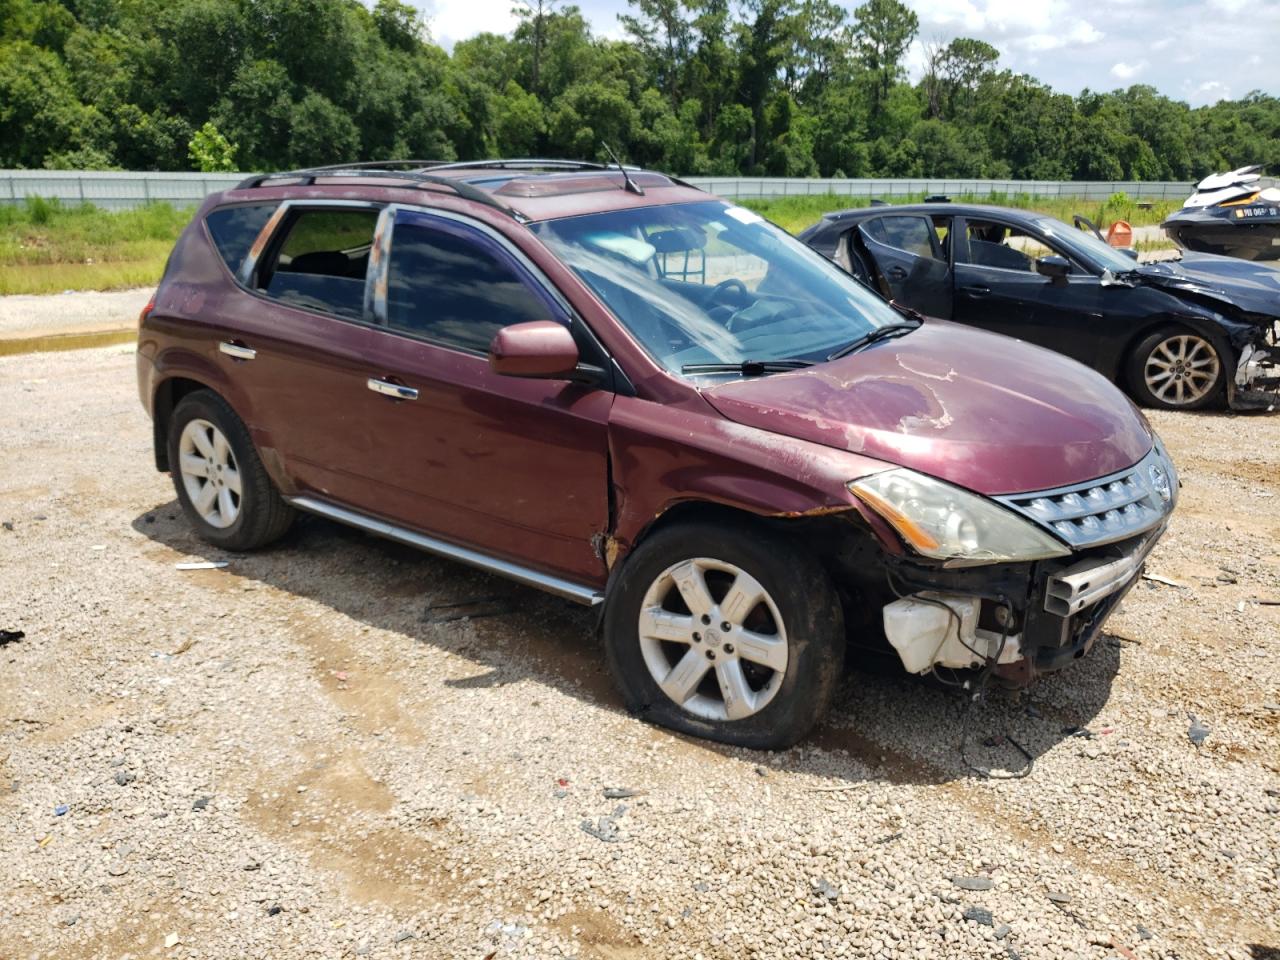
(997, 288)
(910, 262)
(513, 467)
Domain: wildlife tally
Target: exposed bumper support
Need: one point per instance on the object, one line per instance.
(1087, 582)
(1054, 614)
(1256, 385)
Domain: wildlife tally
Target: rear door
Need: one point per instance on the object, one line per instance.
(909, 261)
(998, 288)
(300, 336)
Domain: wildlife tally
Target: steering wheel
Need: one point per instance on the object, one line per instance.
(730, 284)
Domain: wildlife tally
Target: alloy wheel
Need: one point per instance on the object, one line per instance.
(209, 473)
(1181, 369)
(713, 639)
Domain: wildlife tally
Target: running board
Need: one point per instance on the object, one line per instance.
(576, 592)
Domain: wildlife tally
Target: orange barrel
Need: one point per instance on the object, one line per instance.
(1120, 234)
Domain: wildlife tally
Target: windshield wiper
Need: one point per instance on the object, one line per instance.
(749, 368)
(875, 336)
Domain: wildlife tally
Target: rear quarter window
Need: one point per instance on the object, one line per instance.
(234, 229)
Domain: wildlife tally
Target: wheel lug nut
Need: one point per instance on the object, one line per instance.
(726, 626)
(728, 648)
(711, 654)
(697, 637)
(705, 619)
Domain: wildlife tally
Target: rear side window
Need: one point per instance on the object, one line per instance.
(235, 228)
(322, 261)
(456, 286)
(910, 234)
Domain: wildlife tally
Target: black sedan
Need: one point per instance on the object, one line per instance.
(1179, 335)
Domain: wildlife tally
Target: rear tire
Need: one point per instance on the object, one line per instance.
(765, 680)
(1175, 368)
(221, 483)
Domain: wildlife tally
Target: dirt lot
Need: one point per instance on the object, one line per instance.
(303, 755)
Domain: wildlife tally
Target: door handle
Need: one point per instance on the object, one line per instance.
(397, 391)
(977, 291)
(237, 351)
(897, 273)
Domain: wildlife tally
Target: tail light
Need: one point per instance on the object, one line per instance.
(146, 311)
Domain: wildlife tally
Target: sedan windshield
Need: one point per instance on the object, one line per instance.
(1086, 247)
(708, 283)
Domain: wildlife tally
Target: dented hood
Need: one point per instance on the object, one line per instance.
(983, 411)
(1233, 283)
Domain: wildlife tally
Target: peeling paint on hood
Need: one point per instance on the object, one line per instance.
(982, 411)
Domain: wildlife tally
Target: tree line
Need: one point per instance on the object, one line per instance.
(765, 87)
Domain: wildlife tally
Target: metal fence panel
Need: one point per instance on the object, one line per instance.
(122, 189)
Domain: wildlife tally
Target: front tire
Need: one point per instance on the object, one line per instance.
(221, 483)
(1176, 368)
(726, 632)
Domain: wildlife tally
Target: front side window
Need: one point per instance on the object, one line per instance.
(234, 229)
(992, 244)
(707, 282)
(457, 286)
(322, 261)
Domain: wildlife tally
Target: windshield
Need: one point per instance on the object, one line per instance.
(1087, 247)
(708, 282)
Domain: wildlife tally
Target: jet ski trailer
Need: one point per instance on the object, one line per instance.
(1231, 214)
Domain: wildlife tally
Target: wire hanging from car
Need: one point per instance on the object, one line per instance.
(978, 686)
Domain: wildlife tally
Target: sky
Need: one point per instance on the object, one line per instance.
(1200, 51)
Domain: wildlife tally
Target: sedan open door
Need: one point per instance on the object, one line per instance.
(908, 261)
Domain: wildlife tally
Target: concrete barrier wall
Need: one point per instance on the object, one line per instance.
(120, 189)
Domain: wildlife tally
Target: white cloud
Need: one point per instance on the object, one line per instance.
(1127, 71)
(1211, 91)
(454, 20)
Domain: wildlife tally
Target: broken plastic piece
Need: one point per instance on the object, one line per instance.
(202, 565)
(10, 636)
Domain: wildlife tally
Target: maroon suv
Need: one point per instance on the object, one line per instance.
(612, 386)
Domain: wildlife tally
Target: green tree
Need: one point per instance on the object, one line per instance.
(883, 30)
(210, 151)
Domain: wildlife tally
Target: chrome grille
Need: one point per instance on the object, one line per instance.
(1104, 510)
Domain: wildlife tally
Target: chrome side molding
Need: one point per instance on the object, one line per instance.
(578, 593)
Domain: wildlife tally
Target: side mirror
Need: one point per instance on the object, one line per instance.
(1129, 252)
(1056, 268)
(540, 349)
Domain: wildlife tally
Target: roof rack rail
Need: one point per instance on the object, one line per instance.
(383, 165)
(529, 163)
(358, 171)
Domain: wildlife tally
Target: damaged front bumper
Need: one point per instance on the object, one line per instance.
(1256, 384)
(1025, 619)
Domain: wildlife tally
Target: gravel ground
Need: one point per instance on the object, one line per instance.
(301, 755)
(76, 311)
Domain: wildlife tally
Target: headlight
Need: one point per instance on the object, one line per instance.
(948, 523)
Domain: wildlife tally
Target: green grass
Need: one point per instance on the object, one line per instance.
(796, 213)
(48, 247)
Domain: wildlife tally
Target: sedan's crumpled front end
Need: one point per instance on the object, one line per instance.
(1030, 613)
